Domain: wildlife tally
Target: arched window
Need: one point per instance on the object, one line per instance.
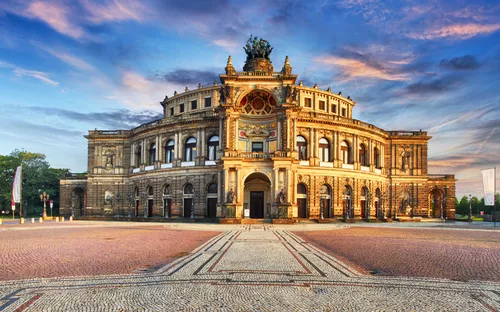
(138, 156)
(150, 191)
(190, 149)
(363, 155)
(188, 189)
(152, 154)
(169, 151)
(301, 189)
(212, 188)
(301, 148)
(345, 151)
(324, 150)
(213, 146)
(376, 156)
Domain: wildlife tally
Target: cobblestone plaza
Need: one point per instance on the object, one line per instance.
(254, 267)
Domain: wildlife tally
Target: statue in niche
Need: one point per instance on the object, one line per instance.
(294, 94)
(405, 161)
(231, 196)
(281, 199)
(109, 160)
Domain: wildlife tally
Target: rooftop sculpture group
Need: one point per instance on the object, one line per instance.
(257, 48)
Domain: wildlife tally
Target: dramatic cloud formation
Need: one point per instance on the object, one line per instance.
(465, 62)
(409, 65)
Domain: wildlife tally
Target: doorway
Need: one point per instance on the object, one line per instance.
(188, 203)
(257, 204)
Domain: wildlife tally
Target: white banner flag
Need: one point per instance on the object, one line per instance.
(16, 186)
(489, 186)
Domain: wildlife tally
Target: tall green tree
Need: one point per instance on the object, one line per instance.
(38, 177)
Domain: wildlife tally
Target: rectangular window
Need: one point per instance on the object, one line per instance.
(194, 104)
(181, 108)
(171, 111)
(344, 112)
(257, 147)
(307, 102)
(208, 102)
(334, 108)
(322, 105)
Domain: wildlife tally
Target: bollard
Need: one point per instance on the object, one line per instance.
(70, 219)
(40, 220)
(57, 219)
(21, 221)
(62, 219)
(32, 220)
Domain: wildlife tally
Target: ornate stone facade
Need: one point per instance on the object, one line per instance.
(259, 138)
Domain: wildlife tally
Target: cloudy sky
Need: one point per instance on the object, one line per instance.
(70, 66)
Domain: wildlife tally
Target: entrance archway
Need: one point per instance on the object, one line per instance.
(301, 200)
(257, 195)
(437, 204)
(78, 202)
(326, 201)
(212, 200)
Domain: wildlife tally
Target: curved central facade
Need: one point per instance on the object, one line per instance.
(251, 145)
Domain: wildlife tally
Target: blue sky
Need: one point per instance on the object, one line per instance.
(70, 66)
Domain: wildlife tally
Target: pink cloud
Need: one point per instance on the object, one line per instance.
(352, 68)
(65, 57)
(458, 31)
(57, 16)
(21, 72)
(113, 11)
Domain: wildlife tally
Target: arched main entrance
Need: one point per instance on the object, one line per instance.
(212, 200)
(257, 195)
(326, 201)
(301, 200)
(437, 203)
(78, 202)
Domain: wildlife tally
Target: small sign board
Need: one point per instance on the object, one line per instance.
(482, 213)
(247, 213)
(13, 206)
(51, 203)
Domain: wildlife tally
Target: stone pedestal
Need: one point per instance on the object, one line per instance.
(285, 211)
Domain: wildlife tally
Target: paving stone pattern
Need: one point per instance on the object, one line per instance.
(222, 275)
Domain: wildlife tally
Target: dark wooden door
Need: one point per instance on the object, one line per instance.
(188, 204)
(150, 208)
(302, 208)
(137, 205)
(257, 205)
(212, 207)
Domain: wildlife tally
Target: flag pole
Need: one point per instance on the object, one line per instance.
(21, 193)
(494, 198)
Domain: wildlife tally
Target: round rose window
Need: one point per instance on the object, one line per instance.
(258, 103)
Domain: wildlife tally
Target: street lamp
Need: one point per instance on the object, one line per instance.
(396, 210)
(346, 200)
(192, 206)
(72, 204)
(470, 208)
(144, 197)
(165, 205)
(118, 197)
(368, 198)
(130, 199)
(442, 200)
(321, 205)
(44, 197)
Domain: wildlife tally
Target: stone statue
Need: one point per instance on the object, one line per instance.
(288, 92)
(257, 48)
(109, 160)
(294, 94)
(223, 94)
(281, 197)
(231, 196)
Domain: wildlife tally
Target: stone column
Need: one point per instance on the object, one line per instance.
(237, 186)
(294, 133)
(221, 133)
(309, 144)
(219, 188)
(280, 143)
(132, 155)
(176, 145)
(275, 190)
(143, 160)
(158, 147)
(203, 152)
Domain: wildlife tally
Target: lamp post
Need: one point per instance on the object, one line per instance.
(130, 199)
(470, 208)
(73, 205)
(192, 206)
(144, 197)
(118, 197)
(368, 198)
(165, 205)
(321, 205)
(442, 200)
(44, 197)
(346, 199)
(382, 204)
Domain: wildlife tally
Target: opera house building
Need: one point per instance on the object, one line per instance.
(258, 144)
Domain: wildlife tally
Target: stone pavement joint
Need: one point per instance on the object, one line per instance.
(254, 267)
